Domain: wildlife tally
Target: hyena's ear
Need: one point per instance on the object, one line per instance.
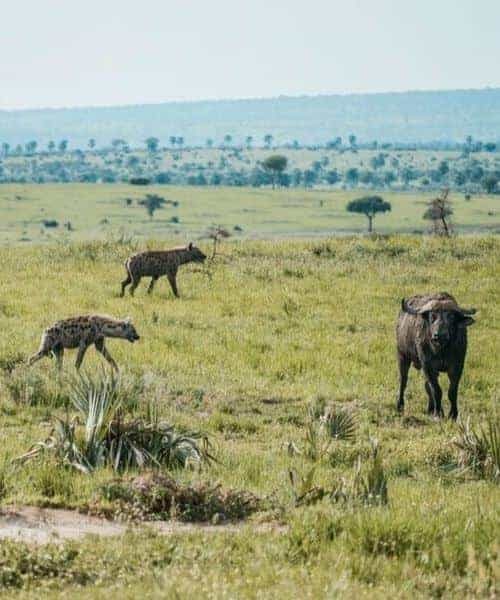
(128, 320)
(190, 246)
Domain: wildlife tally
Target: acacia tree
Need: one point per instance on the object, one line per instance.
(369, 206)
(275, 165)
(152, 144)
(439, 210)
(248, 141)
(268, 140)
(151, 203)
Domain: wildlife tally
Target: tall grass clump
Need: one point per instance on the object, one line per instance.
(479, 449)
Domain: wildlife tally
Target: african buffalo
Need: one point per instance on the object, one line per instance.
(432, 335)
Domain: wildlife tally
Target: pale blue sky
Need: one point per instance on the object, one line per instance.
(105, 52)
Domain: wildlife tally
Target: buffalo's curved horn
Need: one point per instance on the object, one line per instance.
(405, 307)
(468, 311)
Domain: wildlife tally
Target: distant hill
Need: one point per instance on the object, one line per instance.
(446, 116)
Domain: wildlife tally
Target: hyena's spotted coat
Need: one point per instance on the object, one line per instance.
(82, 332)
(156, 263)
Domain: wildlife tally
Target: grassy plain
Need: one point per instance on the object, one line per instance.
(96, 211)
(266, 329)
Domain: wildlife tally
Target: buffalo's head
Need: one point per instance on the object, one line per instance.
(443, 319)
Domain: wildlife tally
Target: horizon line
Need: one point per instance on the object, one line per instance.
(245, 99)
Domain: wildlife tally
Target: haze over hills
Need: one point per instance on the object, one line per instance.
(445, 116)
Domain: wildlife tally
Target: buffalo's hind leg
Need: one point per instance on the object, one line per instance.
(404, 366)
(435, 394)
(430, 405)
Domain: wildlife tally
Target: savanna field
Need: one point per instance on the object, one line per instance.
(267, 341)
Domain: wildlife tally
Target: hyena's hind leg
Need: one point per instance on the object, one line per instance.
(125, 282)
(136, 279)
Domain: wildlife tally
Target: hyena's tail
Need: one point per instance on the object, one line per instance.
(128, 279)
(44, 350)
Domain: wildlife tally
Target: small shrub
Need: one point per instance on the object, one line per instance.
(479, 449)
(160, 497)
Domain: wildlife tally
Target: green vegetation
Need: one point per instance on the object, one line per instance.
(284, 356)
(85, 212)
(370, 167)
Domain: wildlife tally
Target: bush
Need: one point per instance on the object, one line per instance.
(161, 497)
(50, 223)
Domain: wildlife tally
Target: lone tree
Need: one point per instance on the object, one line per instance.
(152, 144)
(275, 165)
(151, 203)
(490, 183)
(438, 211)
(369, 206)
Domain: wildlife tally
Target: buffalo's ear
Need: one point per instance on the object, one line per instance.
(465, 320)
(190, 246)
(405, 307)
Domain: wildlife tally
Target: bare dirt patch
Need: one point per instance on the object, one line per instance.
(44, 525)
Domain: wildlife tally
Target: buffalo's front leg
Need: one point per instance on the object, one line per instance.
(404, 366)
(454, 376)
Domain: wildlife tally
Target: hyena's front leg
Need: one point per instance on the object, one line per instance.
(173, 283)
(81, 353)
(152, 284)
(100, 347)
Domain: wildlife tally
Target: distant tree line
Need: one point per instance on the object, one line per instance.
(468, 171)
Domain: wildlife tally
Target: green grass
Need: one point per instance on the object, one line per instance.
(96, 211)
(241, 355)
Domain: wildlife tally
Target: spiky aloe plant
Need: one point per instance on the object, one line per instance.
(339, 424)
(107, 439)
(371, 487)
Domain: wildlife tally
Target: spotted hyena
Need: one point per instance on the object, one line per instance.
(82, 332)
(156, 263)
